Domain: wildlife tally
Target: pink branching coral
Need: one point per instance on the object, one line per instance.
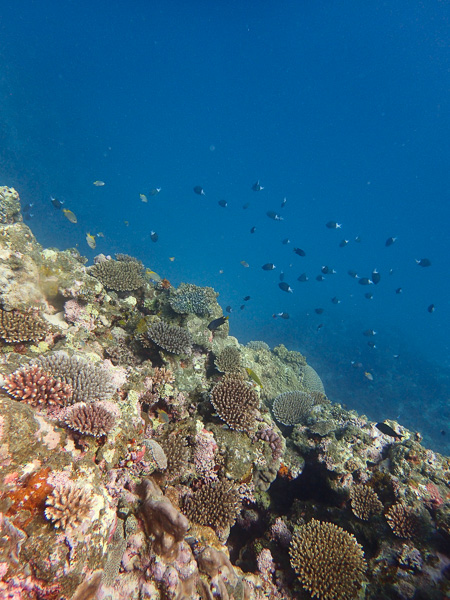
(204, 452)
(33, 385)
(90, 419)
(68, 505)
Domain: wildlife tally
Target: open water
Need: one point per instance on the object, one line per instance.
(342, 108)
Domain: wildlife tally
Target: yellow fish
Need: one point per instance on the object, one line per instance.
(171, 258)
(70, 215)
(91, 242)
(244, 263)
(143, 197)
(152, 275)
(126, 223)
(368, 375)
(99, 183)
(251, 373)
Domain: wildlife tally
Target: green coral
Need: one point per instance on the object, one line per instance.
(291, 357)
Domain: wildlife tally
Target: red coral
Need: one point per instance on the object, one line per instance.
(33, 385)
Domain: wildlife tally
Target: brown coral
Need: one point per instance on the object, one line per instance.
(119, 275)
(291, 408)
(403, 520)
(90, 419)
(236, 403)
(178, 454)
(68, 505)
(171, 338)
(33, 385)
(364, 501)
(328, 561)
(229, 360)
(216, 504)
(17, 326)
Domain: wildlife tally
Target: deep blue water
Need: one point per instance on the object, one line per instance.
(342, 108)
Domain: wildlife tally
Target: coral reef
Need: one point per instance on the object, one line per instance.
(328, 560)
(151, 474)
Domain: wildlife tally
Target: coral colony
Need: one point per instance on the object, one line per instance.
(145, 456)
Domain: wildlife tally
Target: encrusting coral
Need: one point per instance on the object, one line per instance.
(33, 385)
(229, 360)
(17, 326)
(68, 505)
(190, 298)
(328, 561)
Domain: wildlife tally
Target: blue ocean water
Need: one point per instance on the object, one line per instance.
(341, 108)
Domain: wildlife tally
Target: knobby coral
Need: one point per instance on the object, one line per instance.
(328, 561)
(33, 385)
(291, 408)
(171, 338)
(229, 360)
(216, 504)
(236, 403)
(89, 381)
(190, 298)
(90, 419)
(118, 275)
(68, 505)
(364, 501)
(17, 326)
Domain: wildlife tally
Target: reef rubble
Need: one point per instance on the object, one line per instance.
(141, 456)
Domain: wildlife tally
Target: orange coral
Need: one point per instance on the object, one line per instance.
(165, 284)
(30, 497)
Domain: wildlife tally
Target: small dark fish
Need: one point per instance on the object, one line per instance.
(229, 309)
(242, 306)
(252, 230)
(273, 215)
(283, 202)
(398, 291)
(247, 298)
(333, 225)
(268, 267)
(299, 251)
(365, 281)
(335, 300)
(281, 276)
(246, 205)
(369, 332)
(56, 203)
(390, 241)
(257, 187)
(217, 323)
(343, 243)
(27, 208)
(154, 236)
(358, 239)
(368, 295)
(283, 315)
(285, 287)
(222, 203)
(391, 271)
(371, 345)
(320, 278)
(199, 190)
(319, 327)
(303, 277)
(376, 277)
(424, 262)
(387, 430)
(319, 311)
(353, 274)
(325, 270)
(28, 215)
(431, 308)
(286, 241)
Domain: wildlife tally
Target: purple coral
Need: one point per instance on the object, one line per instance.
(274, 440)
